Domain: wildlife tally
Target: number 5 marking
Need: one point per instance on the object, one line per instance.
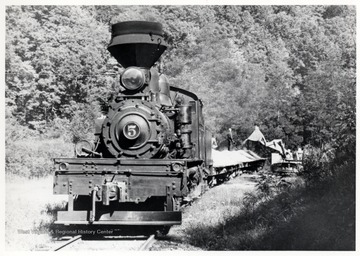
(131, 130)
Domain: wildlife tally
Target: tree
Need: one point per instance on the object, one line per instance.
(55, 56)
(290, 69)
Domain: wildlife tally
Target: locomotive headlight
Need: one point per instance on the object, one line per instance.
(132, 78)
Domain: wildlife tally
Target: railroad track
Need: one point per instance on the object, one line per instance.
(131, 243)
(147, 244)
(64, 244)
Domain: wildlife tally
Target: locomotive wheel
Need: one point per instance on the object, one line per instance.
(162, 232)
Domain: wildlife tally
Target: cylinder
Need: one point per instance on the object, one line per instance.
(185, 114)
(186, 140)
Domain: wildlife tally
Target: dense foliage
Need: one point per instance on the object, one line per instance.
(290, 69)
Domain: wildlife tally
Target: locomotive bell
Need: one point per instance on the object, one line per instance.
(137, 43)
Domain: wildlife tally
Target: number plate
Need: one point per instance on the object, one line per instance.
(131, 130)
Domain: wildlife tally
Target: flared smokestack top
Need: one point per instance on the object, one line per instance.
(137, 43)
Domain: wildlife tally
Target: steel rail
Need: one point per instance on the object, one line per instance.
(67, 243)
(147, 244)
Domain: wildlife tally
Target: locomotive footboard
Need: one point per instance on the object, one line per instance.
(121, 191)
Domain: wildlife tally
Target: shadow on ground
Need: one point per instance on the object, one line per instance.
(292, 220)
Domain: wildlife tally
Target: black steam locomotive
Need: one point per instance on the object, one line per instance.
(152, 151)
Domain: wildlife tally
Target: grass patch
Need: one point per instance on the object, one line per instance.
(29, 213)
(204, 222)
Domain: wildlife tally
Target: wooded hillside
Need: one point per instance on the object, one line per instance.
(290, 69)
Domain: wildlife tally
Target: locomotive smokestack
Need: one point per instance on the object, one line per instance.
(137, 43)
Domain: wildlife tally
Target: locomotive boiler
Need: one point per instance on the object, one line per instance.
(151, 152)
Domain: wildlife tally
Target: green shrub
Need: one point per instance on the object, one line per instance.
(82, 125)
(317, 164)
(14, 131)
(32, 157)
(58, 128)
(29, 151)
